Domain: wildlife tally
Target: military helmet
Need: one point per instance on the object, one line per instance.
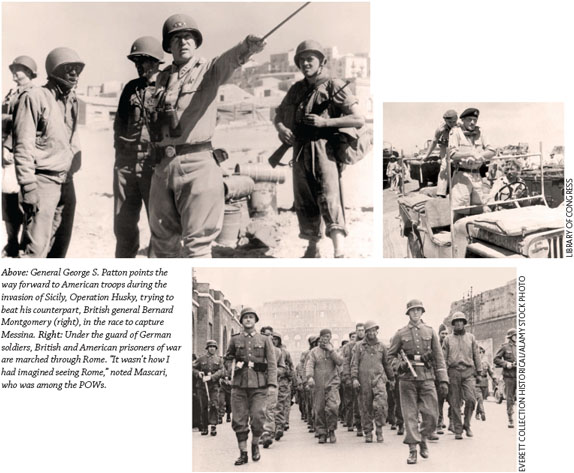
(511, 332)
(414, 304)
(146, 46)
(210, 343)
(277, 335)
(309, 45)
(27, 62)
(248, 310)
(60, 56)
(176, 23)
(312, 339)
(369, 324)
(458, 316)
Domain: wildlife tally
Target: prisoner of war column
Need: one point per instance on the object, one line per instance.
(207, 370)
(186, 211)
(462, 359)
(323, 378)
(251, 359)
(134, 155)
(506, 359)
(416, 352)
(370, 369)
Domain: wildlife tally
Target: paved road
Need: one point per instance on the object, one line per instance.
(493, 448)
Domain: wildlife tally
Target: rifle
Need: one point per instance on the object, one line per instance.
(275, 159)
(207, 391)
(404, 358)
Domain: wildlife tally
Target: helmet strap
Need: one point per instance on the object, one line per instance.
(63, 86)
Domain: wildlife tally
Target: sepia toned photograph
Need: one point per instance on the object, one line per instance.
(354, 369)
(193, 130)
(473, 180)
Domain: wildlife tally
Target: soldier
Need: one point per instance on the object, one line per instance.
(134, 155)
(272, 395)
(506, 359)
(370, 369)
(283, 389)
(304, 121)
(323, 379)
(415, 350)
(354, 412)
(187, 185)
(23, 70)
(481, 390)
(207, 371)
(463, 363)
(251, 357)
(306, 392)
(442, 333)
(441, 135)
(224, 399)
(47, 155)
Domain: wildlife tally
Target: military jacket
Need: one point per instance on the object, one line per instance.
(417, 340)
(257, 353)
(347, 358)
(300, 370)
(209, 365)
(322, 367)
(288, 363)
(369, 361)
(462, 141)
(461, 351)
(486, 371)
(506, 353)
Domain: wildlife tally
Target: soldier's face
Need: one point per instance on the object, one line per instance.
(372, 333)
(415, 315)
(309, 63)
(248, 321)
(20, 75)
(513, 339)
(146, 67)
(353, 337)
(360, 333)
(211, 349)
(325, 339)
(469, 123)
(443, 335)
(451, 121)
(275, 341)
(459, 324)
(182, 46)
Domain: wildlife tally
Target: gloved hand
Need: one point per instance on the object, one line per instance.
(255, 44)
(356, 384)
(29, 202)
(443, 388)
(311, 382)
(206, 378)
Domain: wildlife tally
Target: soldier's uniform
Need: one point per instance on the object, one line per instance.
(208, 365)
(283, 392)
(353, 396)
(271, 398)
(135, 160)
(255, 371)
(321, 365)
(441, 135)
(371, 367)
(47, 154)
(463, 362)
(224, 399)
(187, 185)
(481, 390)
(505, 358)
(418, 395)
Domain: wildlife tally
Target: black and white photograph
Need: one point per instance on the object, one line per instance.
(354, 369)
(194, 130)
(473, 180)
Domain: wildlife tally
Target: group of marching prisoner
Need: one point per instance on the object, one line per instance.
(162, 137)
(364, 384)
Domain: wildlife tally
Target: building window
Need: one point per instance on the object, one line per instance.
(210, 331)
(222, 98)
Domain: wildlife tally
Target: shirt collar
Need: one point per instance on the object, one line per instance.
(418, 325)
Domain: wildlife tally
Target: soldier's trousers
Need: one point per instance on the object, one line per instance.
(349, 394)
(479, 400)
(442, 180)
(186, 208)
(317, 191)
(391, 403)
(398, 410)
(374, 403)
(132, 181)
(418, 397)
(13, 218)
(209, 407)
(309, 403)
(248, 408)
(283, 404)
(510, 394)
(461, 389)
(326, 408)
(441, 400)
(270, 410)
(63, 233)
(224, 400)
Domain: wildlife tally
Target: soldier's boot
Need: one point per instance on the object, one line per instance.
(205, 431)
(243, 458)
(510, 421)
(213, 431)
(439, 430)
(483, 416)
(312, 251)
(433, 436)
(394, 427)
(278, 435)
(379, 433)
(322, 439)
(359, 432)
(424, 448)
(286, 427)
(350, 428)
(332, 437)
(266, 440)
(412, 454)
(255, 454)
(369, 437)
(468, 432)
(401, 430)
(477, 416)
(228, 417)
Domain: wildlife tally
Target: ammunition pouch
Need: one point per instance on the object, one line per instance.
(260, 367)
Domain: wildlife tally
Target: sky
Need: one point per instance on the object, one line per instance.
(102, 33)
(379, 294)
(407, 125)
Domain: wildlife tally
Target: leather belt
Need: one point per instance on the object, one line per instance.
(175, 150)
(47, 172)
(460, 168)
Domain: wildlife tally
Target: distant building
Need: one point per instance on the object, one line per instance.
(296, 320)
(230, 93)
(350, 66)
(283, 62)
(212, 318)
(96, 111)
